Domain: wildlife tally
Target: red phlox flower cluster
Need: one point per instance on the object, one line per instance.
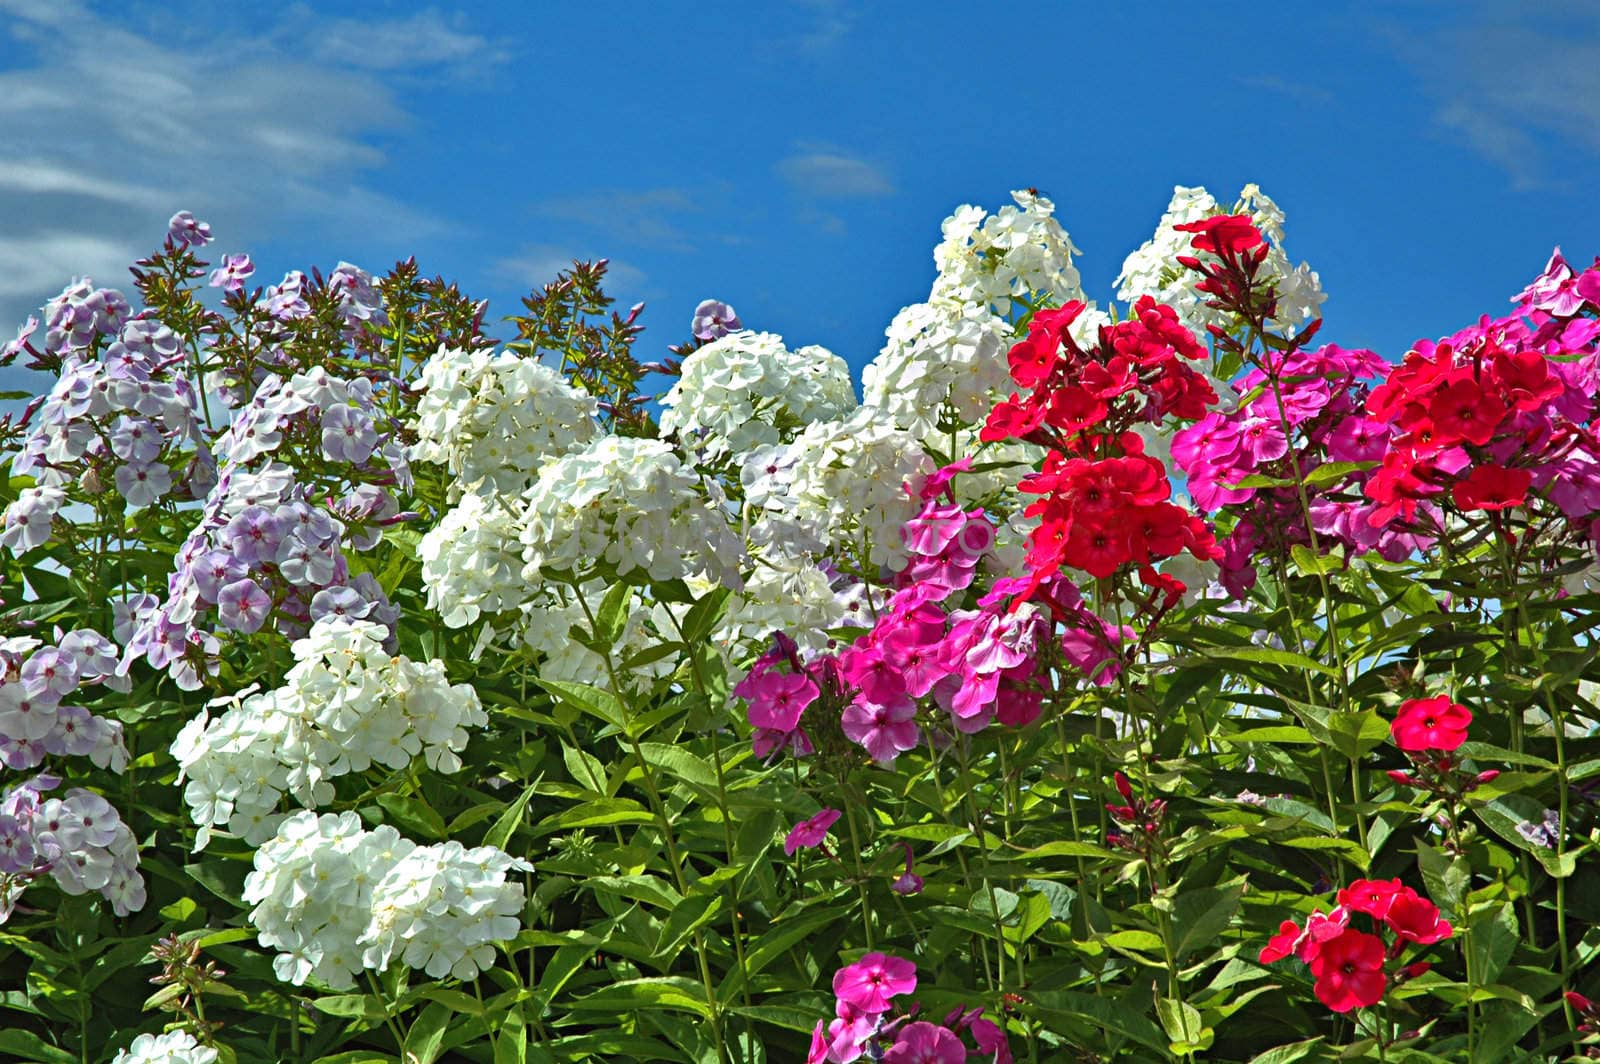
(862, 1026)
(1352, 967)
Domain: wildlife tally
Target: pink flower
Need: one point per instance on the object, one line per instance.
(885, 731)
(925, 1043)
(909, 882)
(779, 698)
(869, 983)
(809, 833)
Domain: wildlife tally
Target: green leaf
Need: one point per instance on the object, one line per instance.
(1329, 472)
(1184, 1027)
(594, 701)
(1281, 733)
(1268, 656)
(357, 1056)
(425, 1039)
(1311, 563)
(679, 762)
(30, 1047)
(1492, 937)
(1288, 1054)
(775, 941)
(602, 812)
(499, 836)
(660, 992)
(1356, 732)
(612, 616)
(1144, 941)
(691, 914)
(414, 814)
(704, 614)
(1200, 915)
(1073, 1010)
(1062, 848)
(511, 1041)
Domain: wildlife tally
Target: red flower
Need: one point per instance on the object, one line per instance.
(1492, 487)
(1282, 944)
(1462, 410)
(1370, 896)
(1349, 971)
(1430, 724)
(1033, 357)
(1012, 419)
(1525, 378)
(1226, 234)
(1416, 919)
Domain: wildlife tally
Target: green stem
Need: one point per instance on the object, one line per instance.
(388, 1014)
(861, 875)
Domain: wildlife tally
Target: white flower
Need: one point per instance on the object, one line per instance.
(173, 1047)
(746, 389)
(942, 359)
(633, 503)
(493, 420)
(1018, 252)
(345, 705)
(27, 520)
(1153, 269)
(472, 561)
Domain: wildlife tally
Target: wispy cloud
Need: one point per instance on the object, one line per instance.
(827, 173)
(1510, 86)
(826, 24)
(535, 265)
(1299, 91)
(652, 217)
(252, 133)
(426, 40)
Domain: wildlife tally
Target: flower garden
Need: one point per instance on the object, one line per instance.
(383, 681)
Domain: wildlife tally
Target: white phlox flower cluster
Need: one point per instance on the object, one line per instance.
(838, 490)
(746, 389)
(989, 259)
(344, 706)
(941, 358)
(173, 1047)
(472, 561)
(334, 898)
(1152, 269)
(493, 419)
(783, 592)
(549, 616)
(634, 503)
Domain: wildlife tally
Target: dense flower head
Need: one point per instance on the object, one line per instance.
(493, 419)
(1153, 269)
(1434, 723)
(171, 1047)
(989, 260)
(36, 721)
(632, 502)
(77, 839)
(746, 390)
(346, 705)
(334, 898)
(863, 1026)
(941, 360)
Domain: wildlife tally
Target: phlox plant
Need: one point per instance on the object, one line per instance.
(1139, 680)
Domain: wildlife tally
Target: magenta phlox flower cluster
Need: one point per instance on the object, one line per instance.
(76, 839)
(863, 1028)
(776, 700)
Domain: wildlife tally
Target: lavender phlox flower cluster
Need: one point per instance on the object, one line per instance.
(232, 274)
(747, 390)
(286, 301)
(344, 706)
(493, 419)
(118, 415)
(35, 680)
(184, 231)
(1020, 251)
(360, 303)
(1152, 270)
(76, 839)
(79, 315)
(334, 899)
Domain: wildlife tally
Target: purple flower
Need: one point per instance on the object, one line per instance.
(213, 571)
(286, 301)
(809, 833)
(713, 318)
(307, 564)
(135, 439)
(243, 606)
(50, 671)
(184, 231)
(230, 276)
(347, 435)
(925, 1043)
(16, 845)
(885, 731)
(26, 716)
(142, 483)
(909, 882)
(253, 535)
(343, 601)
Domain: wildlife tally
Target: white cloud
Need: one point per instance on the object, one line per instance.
(536, 265)
(252, 133)
(643, 217)
(830, 174)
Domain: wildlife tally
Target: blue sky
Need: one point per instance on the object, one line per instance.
(796, 158)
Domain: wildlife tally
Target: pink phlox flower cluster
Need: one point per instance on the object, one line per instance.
(776, 700)
(863, 1028)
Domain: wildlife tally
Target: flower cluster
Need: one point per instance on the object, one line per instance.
(334, 898)
(173, 1047)
(122, 414)
(344, 706)
(493, 419)
(78, 840)
(746, 390)
(1152, 270)
(863, 1027)
(1018, 253)
(943, 363)
(35, 678)
(1353, 968)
